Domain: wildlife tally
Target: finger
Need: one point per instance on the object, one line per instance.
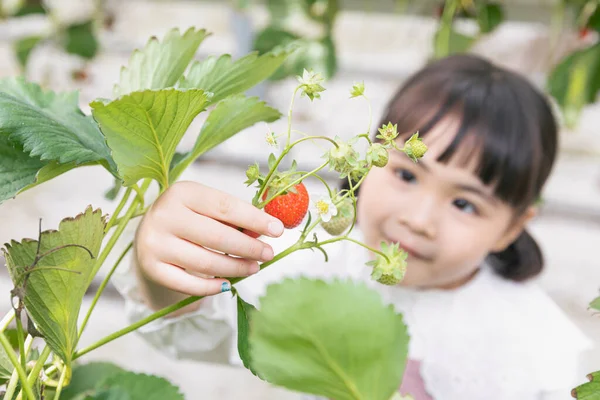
(227, 208)
(207, 232)
(248, 232)
(179, 280)
(192, 257)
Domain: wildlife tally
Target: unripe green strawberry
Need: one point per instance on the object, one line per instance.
(414, 147)
(342, 157)
(342, 221)
(389, 271)
(291, 207)
(377, 155)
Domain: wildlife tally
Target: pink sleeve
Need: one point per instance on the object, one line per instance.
(412, 383)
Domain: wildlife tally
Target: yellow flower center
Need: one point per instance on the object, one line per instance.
(322, 207)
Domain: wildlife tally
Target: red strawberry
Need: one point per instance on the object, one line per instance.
(290, 207)
(252, 234)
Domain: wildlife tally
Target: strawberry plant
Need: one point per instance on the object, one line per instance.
(133, 136)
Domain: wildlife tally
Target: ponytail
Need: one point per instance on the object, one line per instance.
(520, 261)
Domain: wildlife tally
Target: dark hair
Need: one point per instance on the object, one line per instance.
(514, 131)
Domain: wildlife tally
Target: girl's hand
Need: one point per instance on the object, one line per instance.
(189, 236)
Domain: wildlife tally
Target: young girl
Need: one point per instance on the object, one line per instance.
(480, 328)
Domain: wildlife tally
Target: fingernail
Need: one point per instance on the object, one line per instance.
(275, 227)
(267, 254)
(225, 287)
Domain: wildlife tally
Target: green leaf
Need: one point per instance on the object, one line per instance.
(271, 161)
(80, 39)
(159, 65)
(316, 54)
(575, 82)
(17, 169)
(244, 312)
(229, 117)
(282, 11)
(6, 367)
(87, 377)
(20, 172)
(23, 48)
(143, 129)
(141, 386)
(589, 390)
(336, 340)
(114, 191)
(595, 304)
(50, 125)
(224, 77)
(447, 42)
(107, 394)
(490, 15)
(30, 7)
(52, 296)
(322, 11)
(594, 20)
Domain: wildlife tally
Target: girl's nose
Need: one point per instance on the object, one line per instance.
(420, 217)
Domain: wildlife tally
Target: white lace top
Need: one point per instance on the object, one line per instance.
(490, 339)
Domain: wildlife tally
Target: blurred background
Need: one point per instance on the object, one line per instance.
(82, 44)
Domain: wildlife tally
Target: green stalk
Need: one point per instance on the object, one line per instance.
(115, 215)
(6, 320)
(61, 383)
(120, 228)
(21, 340)
(311, 138)
(39, 364)
(139, 324)
(177, 306)
(289, 129)
(370, 117)
(102, 287)
(26, 386)
(291, 185)
(14, 378)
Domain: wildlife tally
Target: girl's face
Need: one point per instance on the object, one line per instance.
(443, 215)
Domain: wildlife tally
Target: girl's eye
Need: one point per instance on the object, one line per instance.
(465, 206)
(405, 175)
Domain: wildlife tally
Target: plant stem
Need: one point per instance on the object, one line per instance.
(61, 382)
(447, 19)
(26, 387)
(175, 307)
(120, 228)
(139, 194)
(6, 320)
(370, 117)
(39, 364)
(294, 183)
(140, 323)
(135, 215)
(114, 217)
(289, 129)
(318, 177)
(311, 138)
(14, 378)
(102, 287)
(21, 339)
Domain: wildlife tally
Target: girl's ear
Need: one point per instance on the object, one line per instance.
(515, 229)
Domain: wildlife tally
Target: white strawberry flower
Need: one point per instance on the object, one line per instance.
(325, 208)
